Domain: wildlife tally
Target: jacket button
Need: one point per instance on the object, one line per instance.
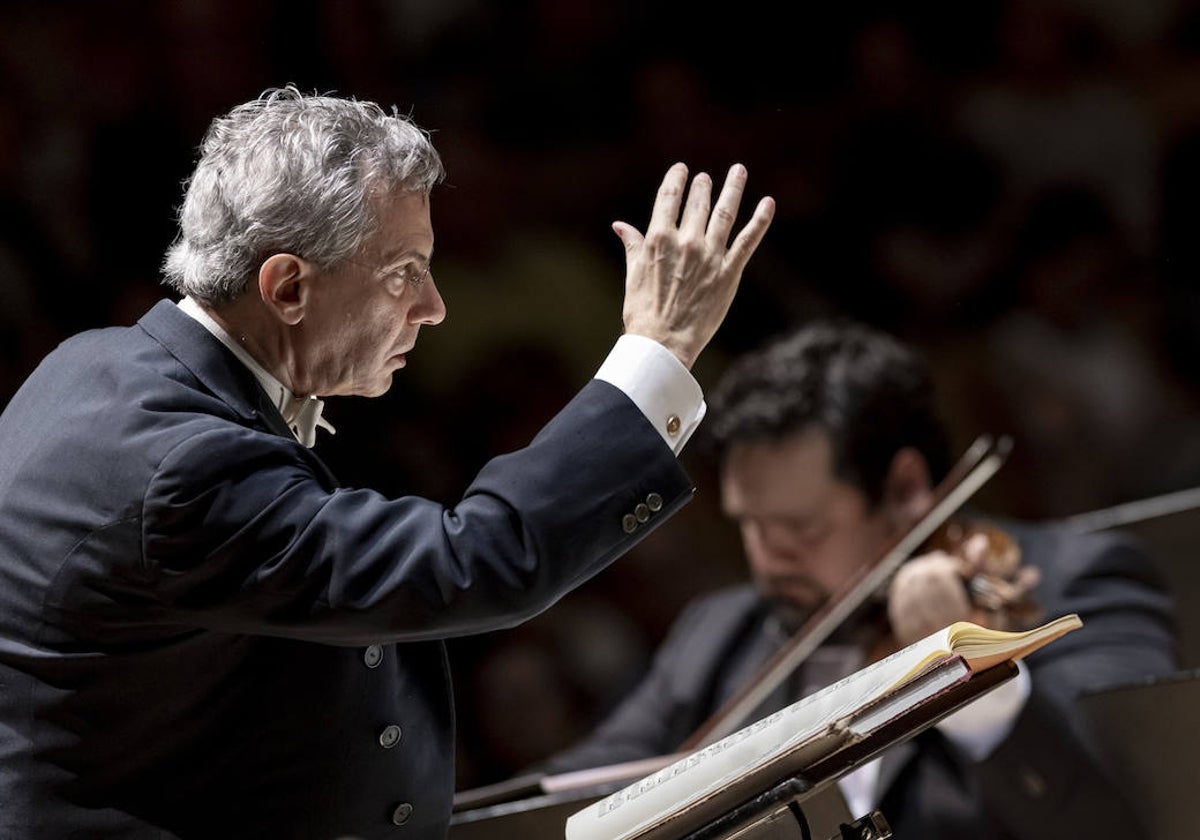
(402, 813)
(629, 523)
(1032, 781)
(373, 655)
(654, 502)
(389, 736)
(642, 513)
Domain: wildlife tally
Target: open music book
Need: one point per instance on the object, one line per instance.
(707, 782)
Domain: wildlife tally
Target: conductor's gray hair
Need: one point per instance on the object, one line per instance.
(291, 173)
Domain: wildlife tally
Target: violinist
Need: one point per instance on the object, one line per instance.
(829, 446)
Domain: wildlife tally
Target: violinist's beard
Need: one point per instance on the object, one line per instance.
(791, 598)
(790, 614)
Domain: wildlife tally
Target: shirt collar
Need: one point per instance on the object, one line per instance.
(302, 414)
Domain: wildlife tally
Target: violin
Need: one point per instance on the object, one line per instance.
(996, 589)
(998, 585)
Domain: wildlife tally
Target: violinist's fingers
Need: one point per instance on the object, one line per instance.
(974, 552)
(958, 560)
(1026, 579)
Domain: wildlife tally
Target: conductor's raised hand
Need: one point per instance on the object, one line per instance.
(681, 276)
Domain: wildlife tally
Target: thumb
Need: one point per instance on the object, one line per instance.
(629, 236)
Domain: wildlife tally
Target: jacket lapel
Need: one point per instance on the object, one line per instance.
(219, 371)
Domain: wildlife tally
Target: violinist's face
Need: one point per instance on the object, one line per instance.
(805, 531)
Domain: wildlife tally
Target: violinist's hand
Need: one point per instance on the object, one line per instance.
(1001, 588)
(682, 275)
(926, 594)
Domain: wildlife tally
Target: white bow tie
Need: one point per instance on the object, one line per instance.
(303, 416)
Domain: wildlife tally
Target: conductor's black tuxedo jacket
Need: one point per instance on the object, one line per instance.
(202, 635)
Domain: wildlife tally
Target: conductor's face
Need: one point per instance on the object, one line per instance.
(805, 531)
(362, 319)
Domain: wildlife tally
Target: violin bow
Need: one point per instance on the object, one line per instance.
(978, 464)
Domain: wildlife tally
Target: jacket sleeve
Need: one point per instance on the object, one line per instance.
(240, 535)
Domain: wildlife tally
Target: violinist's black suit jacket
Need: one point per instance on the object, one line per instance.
(201, 635)
(1041, 782)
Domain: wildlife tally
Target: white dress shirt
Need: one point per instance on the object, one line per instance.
(302, 414)
(658, 384)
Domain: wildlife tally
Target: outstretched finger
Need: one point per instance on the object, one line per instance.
(726, 209)
(747, 240)
(699, 202)
(670, 194)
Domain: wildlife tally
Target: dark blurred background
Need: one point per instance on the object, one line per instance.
(1012, 185)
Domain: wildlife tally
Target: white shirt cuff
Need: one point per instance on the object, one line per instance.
(659, 385)
(979, 727)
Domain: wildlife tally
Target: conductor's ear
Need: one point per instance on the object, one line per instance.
(283, 281)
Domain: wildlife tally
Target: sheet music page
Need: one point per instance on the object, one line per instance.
(691, 778)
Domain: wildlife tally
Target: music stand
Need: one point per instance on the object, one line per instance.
(770, 812)
(1149, 735)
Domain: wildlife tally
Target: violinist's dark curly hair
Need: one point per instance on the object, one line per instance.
(871, 394)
